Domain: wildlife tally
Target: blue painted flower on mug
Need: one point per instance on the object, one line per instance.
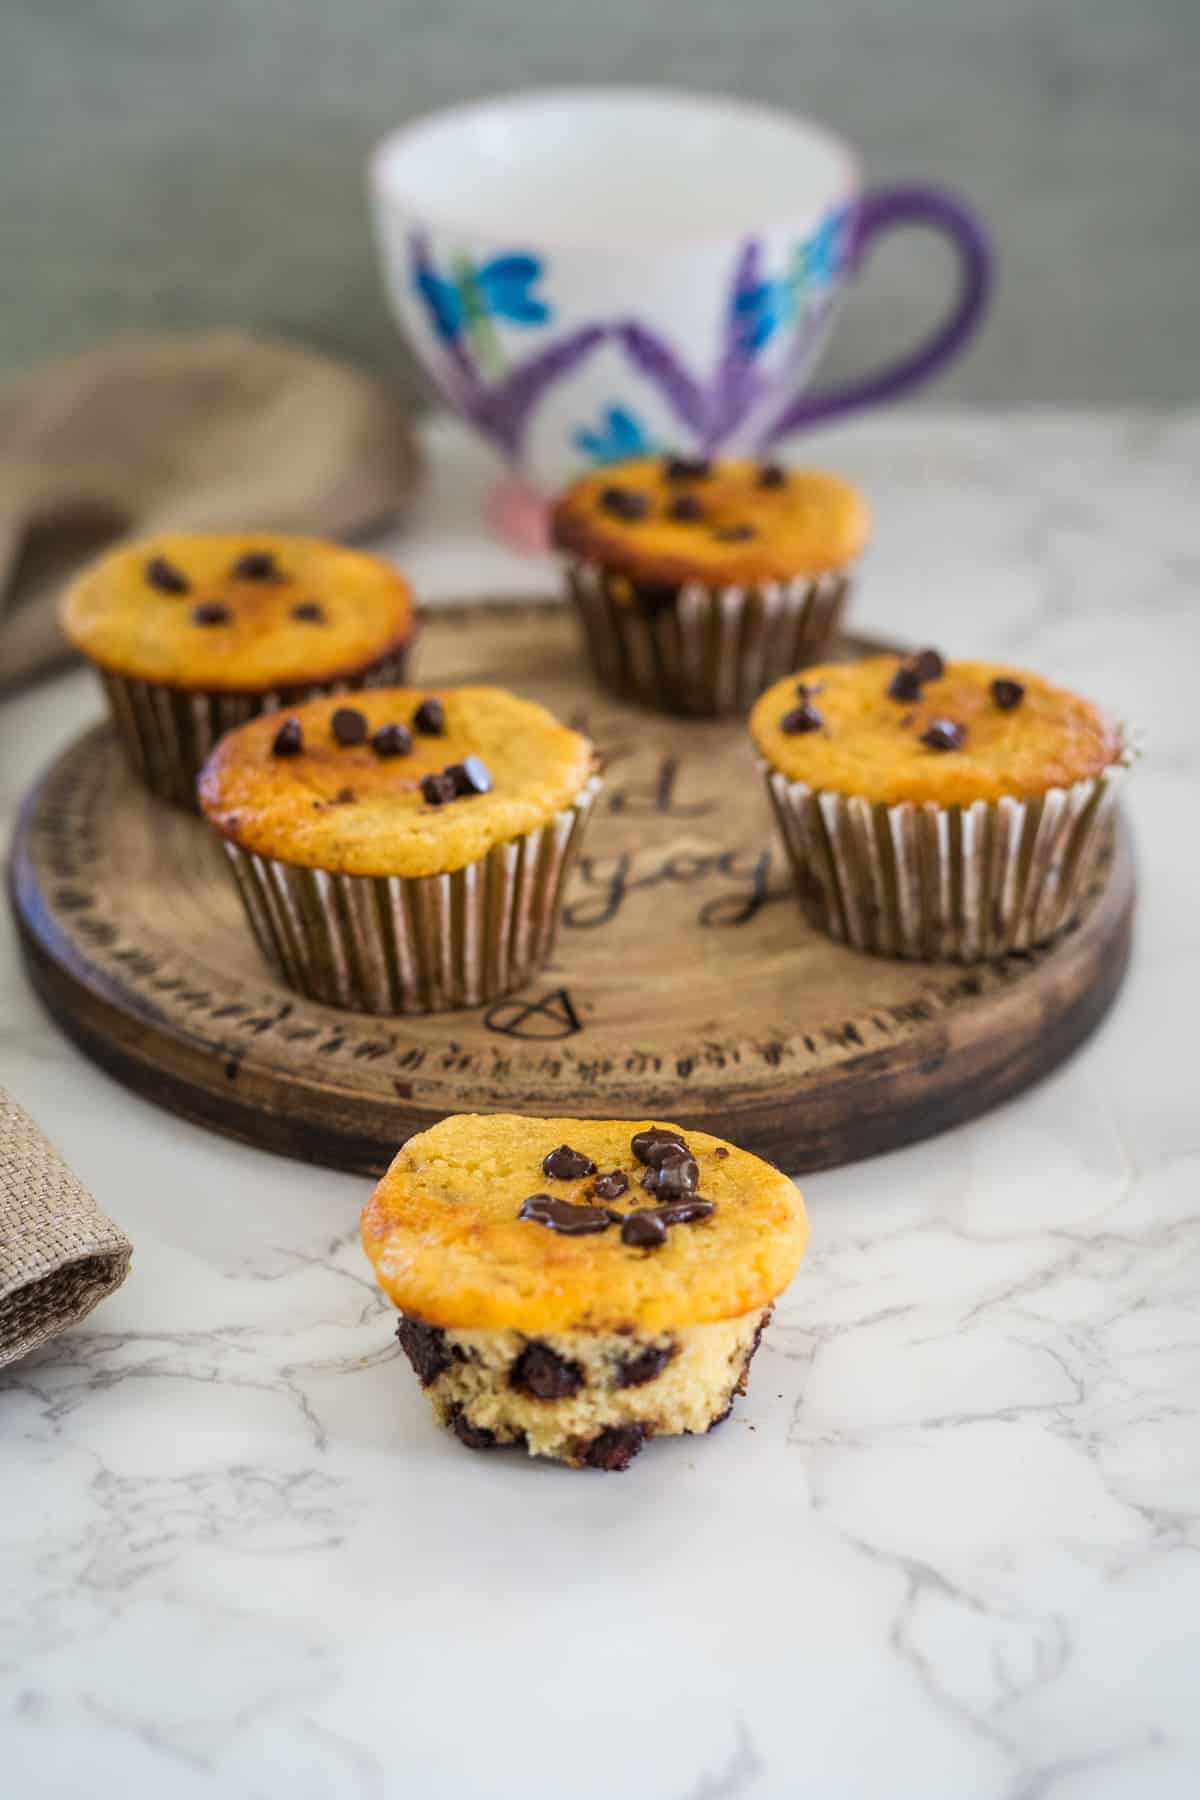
(619, 436)
(464, 303)
(769, 305)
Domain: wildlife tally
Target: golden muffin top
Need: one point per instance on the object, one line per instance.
(238, 612)
(393, 781)
(892, 729)
(676, 519)
(457, 1232)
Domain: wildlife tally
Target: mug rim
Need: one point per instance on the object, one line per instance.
(384, 151)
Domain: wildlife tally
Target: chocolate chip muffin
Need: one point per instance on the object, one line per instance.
(405, 852)
(700, 582)
(193, 633)
(937, 810)
(578, 1286)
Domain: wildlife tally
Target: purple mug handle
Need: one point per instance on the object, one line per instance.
(878, 211)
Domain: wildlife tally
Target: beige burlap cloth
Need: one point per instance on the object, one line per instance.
(221, 430)
(59, 1255)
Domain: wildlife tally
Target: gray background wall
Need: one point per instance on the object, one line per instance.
(173, 162)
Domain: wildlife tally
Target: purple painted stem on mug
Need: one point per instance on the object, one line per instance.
(878, 211)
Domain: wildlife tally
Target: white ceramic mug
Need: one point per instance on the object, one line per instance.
(592, 273)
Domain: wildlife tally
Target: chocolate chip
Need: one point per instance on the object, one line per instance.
(734, 534)
(905, 683)
(655, 1143)
(610, 1187)
(470, 776)
(772, 475)
(928, 665)
(645, 1365)
(625, 503)
(644, 1230)
(804, 717)
(686, 509)
(475, 1437)
(685, 1212)
(256, 565)
(211, 612)
(166, 577)
(613, 1450)
(944, 734)
(349, 726)
(344, 797)
(562, 1216)
(438, 790)
(687, 468)
(721, 1151)
(545, 1374)
(1006, 694)
(289, 739)
(430, 717)
(392, 740)
(565, 1164)
(650, 1179)
(425, 1348)
(678, 1176)
(309, 612)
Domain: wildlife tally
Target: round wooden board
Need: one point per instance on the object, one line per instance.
(685, 985)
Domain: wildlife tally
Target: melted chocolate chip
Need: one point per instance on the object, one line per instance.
(650, 1179)
(804, 717)
(613, 1450)
(540, 1371)
(430, 717)
(685, 509)
(645, 1365)
(470, 776)
(721, 1151)
(392, 740)
(211, 612)
(644, 1230)
(657, 1142)
(1006, 694)
(734, 534)
(166, 577)
(562, 1216)
(309, 612)
(772, 475)
(425, 1348)
(438, 790)
(944, 734)
(289, 739)
(475, 1437)
(612, 1186)
(687, 468)
(905, 683)
(255, 565)
(344, 797)
(678, 1176)
(565, 1164)
(685, 1212)
(625, 503)
(928, 665)
(349, 726)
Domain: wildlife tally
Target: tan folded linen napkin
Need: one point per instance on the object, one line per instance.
(59, 1255)
(220, 430)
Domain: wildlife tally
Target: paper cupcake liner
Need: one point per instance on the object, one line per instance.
(430, 943)
(942, 883)
(167, 732)
(703, 650)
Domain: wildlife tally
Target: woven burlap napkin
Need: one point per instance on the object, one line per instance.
(221, 430)
(59, 1255)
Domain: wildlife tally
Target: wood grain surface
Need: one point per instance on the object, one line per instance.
(685, 984)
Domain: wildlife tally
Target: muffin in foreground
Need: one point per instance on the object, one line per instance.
(699, 583)
(407, 852)
(193, 633)
(578, 1286)
(937, 810)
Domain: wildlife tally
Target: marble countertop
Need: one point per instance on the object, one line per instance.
(949, 1546)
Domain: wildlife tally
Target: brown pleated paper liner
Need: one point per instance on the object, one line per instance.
(431, 943)
(700, 650)
(937, 883)
(167, 732)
